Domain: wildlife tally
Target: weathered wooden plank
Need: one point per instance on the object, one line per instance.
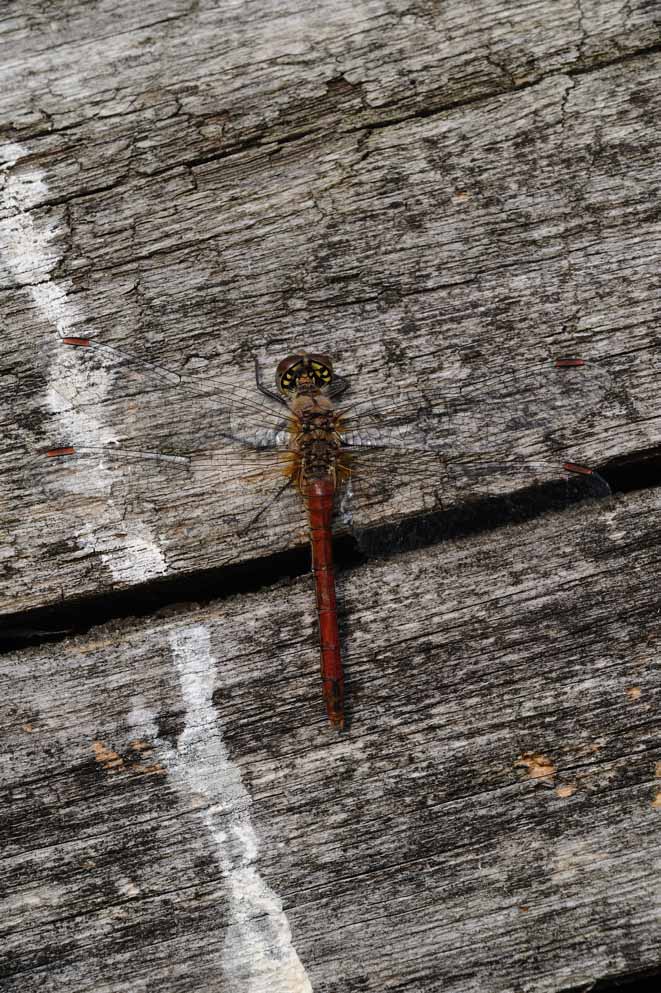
(447, 201)
(151, 87)
(180, 814)
(459, 251)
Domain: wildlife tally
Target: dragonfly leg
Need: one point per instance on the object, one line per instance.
(264, 389)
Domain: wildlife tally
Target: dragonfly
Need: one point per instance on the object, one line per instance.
(303, 437)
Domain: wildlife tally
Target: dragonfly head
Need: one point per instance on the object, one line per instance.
(301, 371)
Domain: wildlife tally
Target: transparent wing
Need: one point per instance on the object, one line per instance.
(432, 449)
(253, 485)
(239, 415)
(452, 496)
(250, 437)
(403, 482)
(547, 399)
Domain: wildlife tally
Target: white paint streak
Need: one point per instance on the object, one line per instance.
(126, 887)
(28, 244)
(259, 956)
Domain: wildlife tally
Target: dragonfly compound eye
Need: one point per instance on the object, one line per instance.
(321, 369)
(317, 368)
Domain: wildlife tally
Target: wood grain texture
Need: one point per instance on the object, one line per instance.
(444, 198)
(180, 814)
(439, 200)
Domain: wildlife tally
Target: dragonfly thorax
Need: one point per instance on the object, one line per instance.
(315, 440)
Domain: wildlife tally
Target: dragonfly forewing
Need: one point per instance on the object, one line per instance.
(238, 415)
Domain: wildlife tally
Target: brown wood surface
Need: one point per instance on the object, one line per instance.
(444, 197)
(179, 813)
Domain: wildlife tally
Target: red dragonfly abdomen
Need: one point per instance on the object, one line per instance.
(319, 496)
